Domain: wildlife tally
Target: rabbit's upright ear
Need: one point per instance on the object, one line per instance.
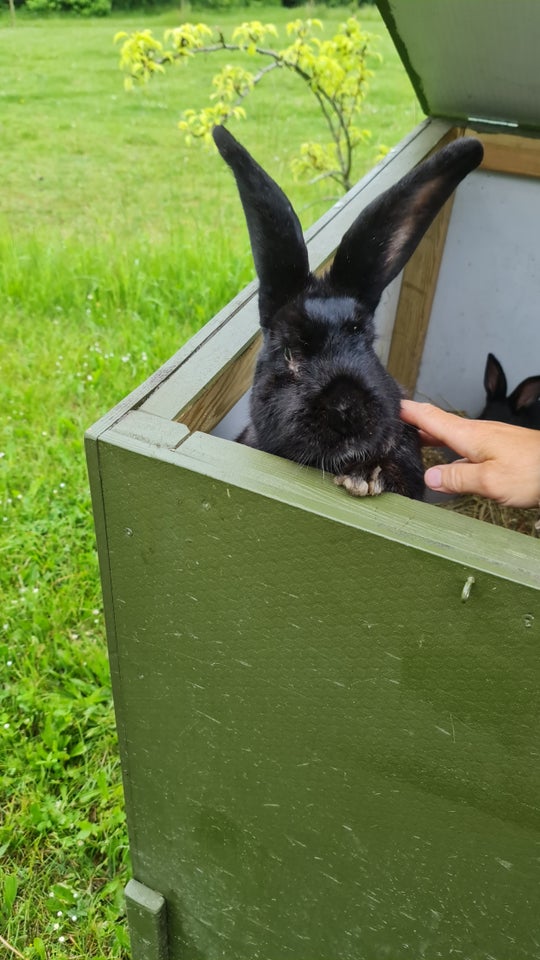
(494, 379)
(277, 242)
(527, 393)
(380, 241)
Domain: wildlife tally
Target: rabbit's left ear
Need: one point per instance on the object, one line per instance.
(277, 241)
(527, 393)
(380, 241)
(494, 379)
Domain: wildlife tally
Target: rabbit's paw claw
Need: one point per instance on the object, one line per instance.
(355, 485)
(376, 482)
(358, 486)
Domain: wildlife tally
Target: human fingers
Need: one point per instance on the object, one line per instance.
(439, 428)
(459, 477)
(427, 440)
(495, 479)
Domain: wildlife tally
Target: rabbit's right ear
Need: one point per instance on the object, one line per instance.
(383, 237)
(276, 237)
(525, 395)
(494, 379)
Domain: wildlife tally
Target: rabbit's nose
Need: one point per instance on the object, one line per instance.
(341, 417)
(344, 403)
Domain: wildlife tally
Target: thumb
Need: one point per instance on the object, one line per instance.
(457, 477)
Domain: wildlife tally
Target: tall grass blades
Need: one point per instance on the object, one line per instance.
(116, 243)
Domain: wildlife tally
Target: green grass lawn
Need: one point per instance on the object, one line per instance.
(116, 243)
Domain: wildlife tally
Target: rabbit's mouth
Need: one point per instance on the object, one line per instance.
(347, 452)
(343, 436)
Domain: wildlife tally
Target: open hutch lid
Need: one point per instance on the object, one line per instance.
(471, 59)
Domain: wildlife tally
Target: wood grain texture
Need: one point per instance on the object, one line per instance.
(215, 401)
(509, 153)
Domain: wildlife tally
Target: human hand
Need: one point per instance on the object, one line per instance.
(500, 461)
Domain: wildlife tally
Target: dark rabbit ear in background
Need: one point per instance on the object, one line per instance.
(525, 395)
(520, 407)
(383, 237)
(277, 242)
(494, 379)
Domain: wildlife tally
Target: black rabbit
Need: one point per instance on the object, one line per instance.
(521, 408)
(320, 395)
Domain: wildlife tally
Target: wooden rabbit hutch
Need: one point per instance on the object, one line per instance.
(328, 709)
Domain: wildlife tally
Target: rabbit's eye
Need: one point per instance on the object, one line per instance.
(354, 327)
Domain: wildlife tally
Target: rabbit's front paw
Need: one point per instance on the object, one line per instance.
(362, 484)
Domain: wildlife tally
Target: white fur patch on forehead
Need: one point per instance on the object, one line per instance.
(330, 309)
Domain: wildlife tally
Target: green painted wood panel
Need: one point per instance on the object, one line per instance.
(477, 58)
(326, 751)
(147, 917)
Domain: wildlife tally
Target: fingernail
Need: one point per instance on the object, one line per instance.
(433, 478)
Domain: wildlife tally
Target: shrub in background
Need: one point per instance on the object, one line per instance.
(87, 8)
(335, 71)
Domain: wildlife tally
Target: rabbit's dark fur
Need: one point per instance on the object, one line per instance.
(521, 408)
(320, 396)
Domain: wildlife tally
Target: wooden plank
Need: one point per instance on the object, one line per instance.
(140, 425)
(509, 153)
(217, 398)
(470, 59)
(147, 918)
(462, 540)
